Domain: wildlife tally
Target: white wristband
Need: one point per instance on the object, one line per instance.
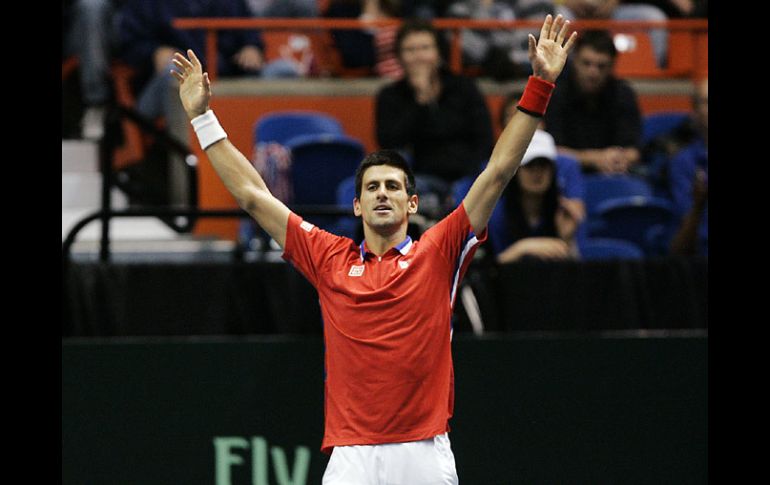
(208, 129)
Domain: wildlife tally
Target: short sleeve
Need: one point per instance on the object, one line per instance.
(309, 248)
(454, 237)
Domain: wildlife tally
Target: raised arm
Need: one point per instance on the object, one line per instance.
(239, 176)
(547, 55)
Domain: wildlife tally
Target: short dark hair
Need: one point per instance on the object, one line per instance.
(385, 157)
(419, 25)
(598, 40)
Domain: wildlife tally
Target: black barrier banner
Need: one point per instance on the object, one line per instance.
(249, 411)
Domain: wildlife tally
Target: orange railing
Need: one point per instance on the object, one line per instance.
(688, 39)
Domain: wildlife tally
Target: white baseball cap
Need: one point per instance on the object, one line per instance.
(541, 146)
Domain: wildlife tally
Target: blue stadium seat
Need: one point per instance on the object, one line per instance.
(657, 124)
(602, 187)
(281, 126)
(599, 249)
(319, 163)
(645, 221)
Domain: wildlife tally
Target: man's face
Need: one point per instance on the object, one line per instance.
(592, 69)
(419, 51)
(384, 202)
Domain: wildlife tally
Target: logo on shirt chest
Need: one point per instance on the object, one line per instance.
(403, 264)
(356, 270)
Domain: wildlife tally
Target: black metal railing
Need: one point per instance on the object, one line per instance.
(111, 140)
(175, 213)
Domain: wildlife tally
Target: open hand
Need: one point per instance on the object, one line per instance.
(194, 84)
(549, 54)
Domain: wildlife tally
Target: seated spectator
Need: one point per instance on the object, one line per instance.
(425, 9)
(594, 116)
(386, 63)
(296, 54)
(534, 220)
(503, 54)
(438, 119)
(691, 237)
(91, 35)
(689, 183)
(149, 42)
(658, 152)
(568, 175)
(283, 8)
(370, 48)
(490, 49)
(621, 10)
(677, 9)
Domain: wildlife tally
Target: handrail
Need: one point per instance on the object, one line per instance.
(106, 153)
(213, 24)
(170, 212)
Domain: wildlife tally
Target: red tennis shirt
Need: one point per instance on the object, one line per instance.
(387, 328)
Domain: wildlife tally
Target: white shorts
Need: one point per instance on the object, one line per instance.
(425, 462)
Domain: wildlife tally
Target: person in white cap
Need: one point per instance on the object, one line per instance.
(534, 220)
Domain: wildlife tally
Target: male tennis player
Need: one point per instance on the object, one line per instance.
(386, 302)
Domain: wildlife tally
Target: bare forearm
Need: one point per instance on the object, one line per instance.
(632, 155)
(513, 142)
(235, 170)
(547, 56)
(505, 160)
(245, 184)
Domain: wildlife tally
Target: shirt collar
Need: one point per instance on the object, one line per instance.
(402, 247)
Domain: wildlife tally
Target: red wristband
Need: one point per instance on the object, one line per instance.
(536, 95)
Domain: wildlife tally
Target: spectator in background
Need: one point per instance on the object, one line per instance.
(689, 182)
(568, 174)
(527, 10)
(535, 220)
(386, 62)
(283, 8)
(439, 119)
(370, 48)
(356, 47)
(296, 55)
(503, 54)
(618, 10)
(594, 116)
(92, 37)
(677, 9)
(149, 42)
(490, 49)
(425, 9)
